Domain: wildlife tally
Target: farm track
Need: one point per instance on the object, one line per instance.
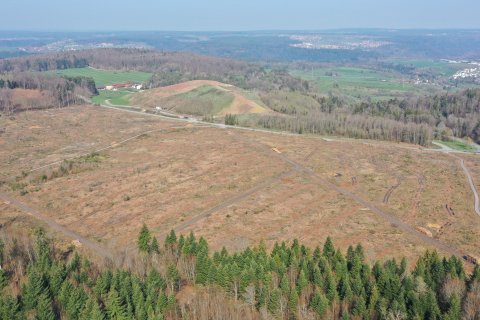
(239, 197)
(101, 251)
(476, 203)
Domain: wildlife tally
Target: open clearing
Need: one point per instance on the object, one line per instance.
(233, 187)
(200, 97)
(106, 77)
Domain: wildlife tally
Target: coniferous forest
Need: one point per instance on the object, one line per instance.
(182, 279)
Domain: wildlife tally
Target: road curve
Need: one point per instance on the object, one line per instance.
(93, 246)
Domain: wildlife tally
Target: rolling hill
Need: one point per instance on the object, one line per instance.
(201, 97)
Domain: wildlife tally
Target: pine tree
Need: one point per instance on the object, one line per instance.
(328, 248)
(115, 309)
(293, 302)
(44, 308)
(144, 239)
(3, 279)
(154, 246)
(10, 308)
(455, 309)
(319, 303)
(274, 302)
(284, 284)
(302, 281)
(35, 287)
(96, 313)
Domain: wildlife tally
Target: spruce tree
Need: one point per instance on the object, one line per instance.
(293, 302)
(44, 308)
(144, 239)
(115, 309)
(154, 246)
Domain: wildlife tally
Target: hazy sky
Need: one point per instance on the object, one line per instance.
(70, 15)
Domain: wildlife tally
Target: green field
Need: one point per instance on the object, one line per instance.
(442, 68)
(204, 100)
(358, 82)
(118, 98)
(105, 77)
(458, 145)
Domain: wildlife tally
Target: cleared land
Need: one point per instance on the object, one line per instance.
(231, 186)
(105, 77)
(201, 97)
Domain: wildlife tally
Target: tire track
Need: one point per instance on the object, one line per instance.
(389, 192)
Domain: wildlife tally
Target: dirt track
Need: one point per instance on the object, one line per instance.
(476, 204)
(91, 245)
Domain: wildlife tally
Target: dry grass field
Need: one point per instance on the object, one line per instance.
(234, 187)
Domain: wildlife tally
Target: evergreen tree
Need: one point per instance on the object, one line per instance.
(35, 287)
(154, 246)
(115, 308)
(44, 308)
(293, 302)
(144, 239)
(319, 303)
(274, 302)
(328, 248)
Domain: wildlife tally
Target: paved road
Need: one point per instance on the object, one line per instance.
(93, 246)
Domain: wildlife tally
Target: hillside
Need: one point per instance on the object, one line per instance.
(200, 97)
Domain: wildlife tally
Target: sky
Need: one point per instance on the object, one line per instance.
(229, 15)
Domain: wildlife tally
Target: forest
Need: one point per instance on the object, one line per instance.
(182, 279)
(30, 91)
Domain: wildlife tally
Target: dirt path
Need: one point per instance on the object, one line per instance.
(476, 202)
(232, 200)
(396, 222)
(93, 246)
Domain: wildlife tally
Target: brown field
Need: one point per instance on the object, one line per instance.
(239, 104)
(229, 186)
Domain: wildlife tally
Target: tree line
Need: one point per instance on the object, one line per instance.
(287, 282)
(168, 67)
(27, 91)
(456, 113)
